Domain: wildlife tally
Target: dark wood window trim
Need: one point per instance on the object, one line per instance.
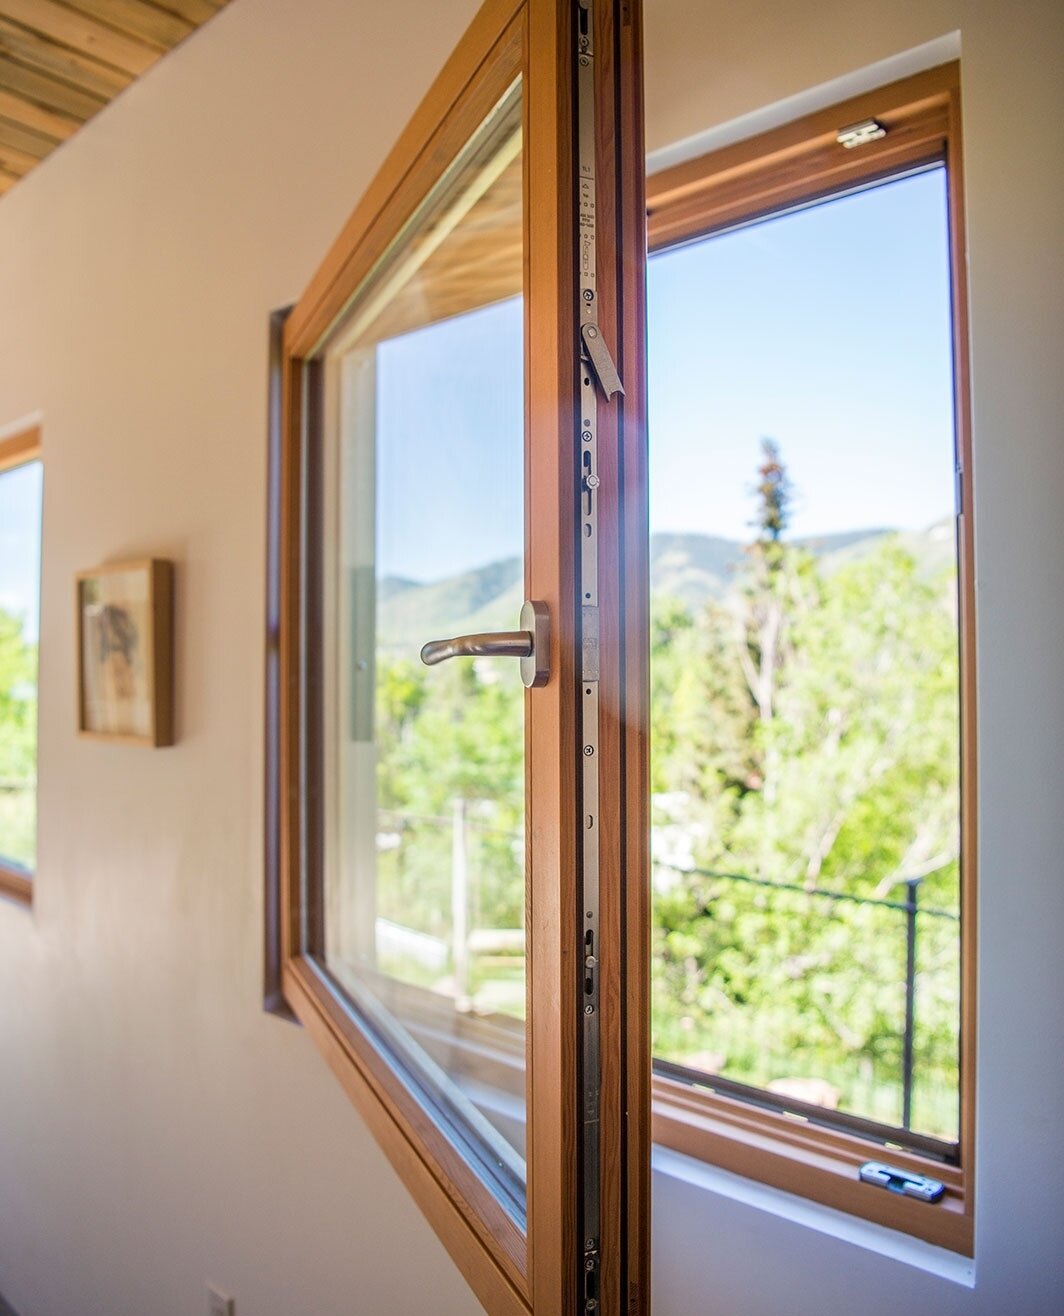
(15, 884)
(792, 166)
(17, 450)
(272, 992)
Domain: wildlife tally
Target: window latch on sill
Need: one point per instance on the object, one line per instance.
(903, 1182)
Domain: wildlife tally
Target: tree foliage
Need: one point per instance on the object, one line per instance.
(805, 733)
(18, 741)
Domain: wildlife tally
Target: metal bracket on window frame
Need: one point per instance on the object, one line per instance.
(860, 134)
(597, 372)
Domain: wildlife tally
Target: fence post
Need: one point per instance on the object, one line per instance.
(460, 902)
(912, 887)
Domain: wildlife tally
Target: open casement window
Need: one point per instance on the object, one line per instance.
(21, 479)
(813, 683)
(457, 925)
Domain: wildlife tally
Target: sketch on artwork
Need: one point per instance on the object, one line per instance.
(118, 660)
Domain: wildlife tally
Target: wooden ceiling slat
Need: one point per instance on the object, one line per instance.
(15, 161)
(61, 61)
(48, 91)
(78, 32)
(196, 11)
(137, 19)
(83, 72)
(23, 139)
(18, 110)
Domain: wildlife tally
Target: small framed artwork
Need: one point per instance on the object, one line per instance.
(125, 652)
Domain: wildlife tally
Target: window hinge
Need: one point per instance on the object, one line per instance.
(860, 134)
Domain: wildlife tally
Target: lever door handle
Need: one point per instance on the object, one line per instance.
(531, 644)
(485, 644)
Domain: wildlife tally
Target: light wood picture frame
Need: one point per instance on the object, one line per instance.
(124, 614)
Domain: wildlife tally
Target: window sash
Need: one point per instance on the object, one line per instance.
(508, 1271)
(790, 167)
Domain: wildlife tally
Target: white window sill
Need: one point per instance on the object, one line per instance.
(888, 1243)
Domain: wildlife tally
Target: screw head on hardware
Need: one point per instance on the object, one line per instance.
(592, 482)
(589, 750)
(589, 296)
(592, 332)
(586, 436)
(589, 1009)
(589, 1264)
(589, 1244)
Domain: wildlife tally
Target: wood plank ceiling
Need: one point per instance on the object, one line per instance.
(61, 62)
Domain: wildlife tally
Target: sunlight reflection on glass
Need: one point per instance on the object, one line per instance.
(425, 867)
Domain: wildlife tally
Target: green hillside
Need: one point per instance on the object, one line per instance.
(689, 567)
(487, 598)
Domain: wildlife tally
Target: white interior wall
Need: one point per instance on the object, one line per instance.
(156, 1129)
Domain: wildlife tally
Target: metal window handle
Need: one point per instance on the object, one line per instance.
(531, 644)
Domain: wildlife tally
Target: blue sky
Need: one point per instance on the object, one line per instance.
(20, 542)
(450, 446)
(827, 330)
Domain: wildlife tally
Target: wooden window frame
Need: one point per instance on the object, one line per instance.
(794, 165)
(510, 1273)
(486, 1244)
(16, 450)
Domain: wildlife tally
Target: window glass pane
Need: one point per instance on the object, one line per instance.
(805, 656)
(425, 867)
(20, 574)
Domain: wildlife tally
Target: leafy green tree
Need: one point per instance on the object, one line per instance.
(810, 738)
(455, 733)
(805, 734)
(18, 741)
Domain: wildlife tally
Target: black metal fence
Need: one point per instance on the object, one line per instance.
(457, 878)
(911, 916)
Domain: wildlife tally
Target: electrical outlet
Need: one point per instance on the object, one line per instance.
(218, 1303)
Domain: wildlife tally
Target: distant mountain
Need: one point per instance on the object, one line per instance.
(390, 586)
(694, 568)
(933, 548)
(841, 540)
(690, 567)
(485, 599)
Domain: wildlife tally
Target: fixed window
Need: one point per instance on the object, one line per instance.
(810, 712)
(21, 485)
